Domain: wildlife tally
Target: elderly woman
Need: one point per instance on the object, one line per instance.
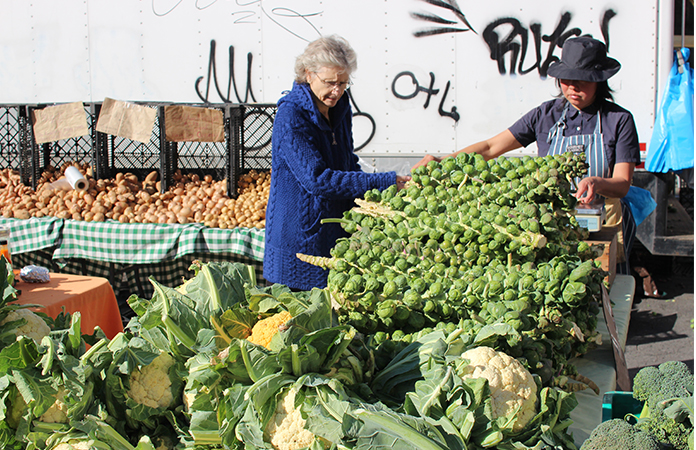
(315, 170)
(583, 118)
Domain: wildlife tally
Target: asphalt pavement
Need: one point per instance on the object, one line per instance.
(662, 329)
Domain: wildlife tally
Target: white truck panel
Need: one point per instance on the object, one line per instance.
(418, 89)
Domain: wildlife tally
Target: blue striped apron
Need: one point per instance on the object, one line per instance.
(593, 146)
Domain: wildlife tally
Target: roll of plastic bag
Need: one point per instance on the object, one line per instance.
(73, 180)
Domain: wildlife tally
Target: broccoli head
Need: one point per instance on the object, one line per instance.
(668, 380)
(617, 434)
(656, 386)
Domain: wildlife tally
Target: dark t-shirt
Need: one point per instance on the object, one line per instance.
(618, 128)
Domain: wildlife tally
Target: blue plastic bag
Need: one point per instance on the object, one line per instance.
(641, 203)
(672, 143)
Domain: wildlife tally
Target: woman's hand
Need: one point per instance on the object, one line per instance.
(424, 162)
(588, 188)
(401, 181)
(615, 187)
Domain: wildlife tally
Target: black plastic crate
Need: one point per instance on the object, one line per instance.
(203, 158)
(252, 148)
(12, 129)
(209, 158)
(247, 145)
(257, 130)
(77, 150)
(114, 154)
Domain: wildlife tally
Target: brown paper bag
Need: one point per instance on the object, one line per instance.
(192, 124)
(60, 122)
(126, 120)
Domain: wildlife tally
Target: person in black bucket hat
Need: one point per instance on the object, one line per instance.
(583, 118)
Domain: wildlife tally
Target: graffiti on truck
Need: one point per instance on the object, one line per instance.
(428, 91)
(515, 44)
(231, 79)
(294, 22)
(444, 25)
(358, 113)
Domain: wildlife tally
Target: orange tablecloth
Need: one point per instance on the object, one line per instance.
(93, 297)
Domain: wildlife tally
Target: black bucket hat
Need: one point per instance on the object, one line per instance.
(584, 59)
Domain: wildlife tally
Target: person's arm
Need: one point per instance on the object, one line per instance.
(615, 187)
(490, 148)
(627, 154)
(296, 142)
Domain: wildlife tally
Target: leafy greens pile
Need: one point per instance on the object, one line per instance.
(184, 374)
(471, 256)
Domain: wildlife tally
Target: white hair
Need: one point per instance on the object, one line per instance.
(327, 51)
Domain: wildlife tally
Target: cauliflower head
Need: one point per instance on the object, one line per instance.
(285, 430)
(57, 413)
(75, 444)
(188, 397)
(264, 330)
(151, 385)
(513, 389)
(35, 327)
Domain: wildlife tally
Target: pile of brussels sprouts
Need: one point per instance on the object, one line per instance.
(473, 242)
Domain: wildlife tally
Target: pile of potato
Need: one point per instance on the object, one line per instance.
(129, 200)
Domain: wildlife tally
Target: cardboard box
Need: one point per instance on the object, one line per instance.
(606, 238)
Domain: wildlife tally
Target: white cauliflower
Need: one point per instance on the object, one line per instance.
(151, 385)
(57, 413)
(513, 389)
(35, 328)
(188, 398)
(285, 431)
(75, 444)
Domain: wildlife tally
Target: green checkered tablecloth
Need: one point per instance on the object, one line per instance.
(151, 243)
(129, 243)
(33, 234)
(128, 254)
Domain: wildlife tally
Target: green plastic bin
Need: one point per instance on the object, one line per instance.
(616, 404)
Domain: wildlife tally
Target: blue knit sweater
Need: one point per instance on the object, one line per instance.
(315, 175)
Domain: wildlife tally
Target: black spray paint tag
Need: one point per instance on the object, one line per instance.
(577, 148)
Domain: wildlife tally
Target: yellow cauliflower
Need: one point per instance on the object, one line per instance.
(264, 330)
(513, 389)
(151, 385)
(35, 328)
(286, 431)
